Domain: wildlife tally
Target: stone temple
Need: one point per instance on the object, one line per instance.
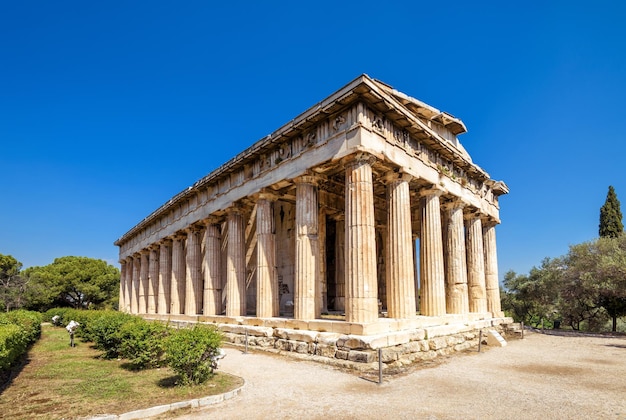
(360, 224)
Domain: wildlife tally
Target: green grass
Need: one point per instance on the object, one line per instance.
(58, 381)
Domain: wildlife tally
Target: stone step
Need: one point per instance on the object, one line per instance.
(495, 339)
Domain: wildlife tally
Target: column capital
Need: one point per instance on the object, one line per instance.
(489, 221)
(144, 251)
(454, 203)
(430, 191)
(394, 176)
(212, 220)
(472, 213)
(307, 178)
(154, 246)
(165, 241)
(235, 208)
(178, 236)
(358, 159)
(267, 194)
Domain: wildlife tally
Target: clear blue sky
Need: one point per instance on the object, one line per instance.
(107, 109)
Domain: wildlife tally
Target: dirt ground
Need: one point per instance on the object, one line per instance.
(542, 376)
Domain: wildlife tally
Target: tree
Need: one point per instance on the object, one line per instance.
(533, 298)
(79, 282)
(611, 216)
(12, 285)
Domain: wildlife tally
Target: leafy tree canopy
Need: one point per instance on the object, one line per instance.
(12, 285)
(79, 282)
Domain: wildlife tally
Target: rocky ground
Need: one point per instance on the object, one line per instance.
(542, 376)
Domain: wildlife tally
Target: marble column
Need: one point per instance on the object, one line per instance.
(455, 259)
(399, 249)
(236, 264)
(340, 264)
(307, 251)
(321, 292)
(475, 263)
(122, 298)
(492, 285)
(266, 274)
(143, 281)
(360, 272)
(177, 290)
(165, 276)
(153, 278)
(134, 300)
(193, 273)
(211, 269)
(433, 289)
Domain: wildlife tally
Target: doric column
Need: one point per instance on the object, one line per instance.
(211, 269)
(134, 299)
(122, 298)
(340, 263)
(193, 273)
(433, 290)
(455, 259)
(153, 278)
(165, 276)
(307, 252)
(475, 263)
(491, 269)
(267, 279)
(177, 290)
(143, 281)
(236, 264)
(360, 273)
(399, 249)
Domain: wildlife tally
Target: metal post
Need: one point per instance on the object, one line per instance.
(380, 366)
(246, 350)
(480, 340)
(522, 329)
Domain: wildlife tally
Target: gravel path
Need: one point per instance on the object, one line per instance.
(542, 376)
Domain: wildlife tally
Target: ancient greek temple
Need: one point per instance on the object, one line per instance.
(362, 217)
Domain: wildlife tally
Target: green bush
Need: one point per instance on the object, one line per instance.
(189, 351)
(12, 344)
(18, 329)
(103, 331)
(142, 343)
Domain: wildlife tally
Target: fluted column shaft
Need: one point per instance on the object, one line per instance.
(211, 269)
(153, 279)
(165, 276)
(307, 251)
(433, 291)
(236, 265)
(455, 259)
(143, 281)
(193, 273)
(475, 264)
(267, 279)
(360, 274)
(491, 270)
(177, 290)
(340, 264)
(399, 249)
(134, 300)
(122, 298)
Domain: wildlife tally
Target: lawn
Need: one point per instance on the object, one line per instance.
(58, 381)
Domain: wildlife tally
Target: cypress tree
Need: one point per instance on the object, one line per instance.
(611, 216)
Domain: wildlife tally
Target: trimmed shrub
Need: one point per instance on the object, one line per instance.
(103, 331)
(142, 343)
(18, 329)
(189, 353)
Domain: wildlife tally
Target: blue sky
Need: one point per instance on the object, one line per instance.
(107, 109)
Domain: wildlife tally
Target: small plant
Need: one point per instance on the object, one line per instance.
(190, 352)
(142, 343)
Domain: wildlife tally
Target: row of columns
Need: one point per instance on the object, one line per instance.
(458, 264)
